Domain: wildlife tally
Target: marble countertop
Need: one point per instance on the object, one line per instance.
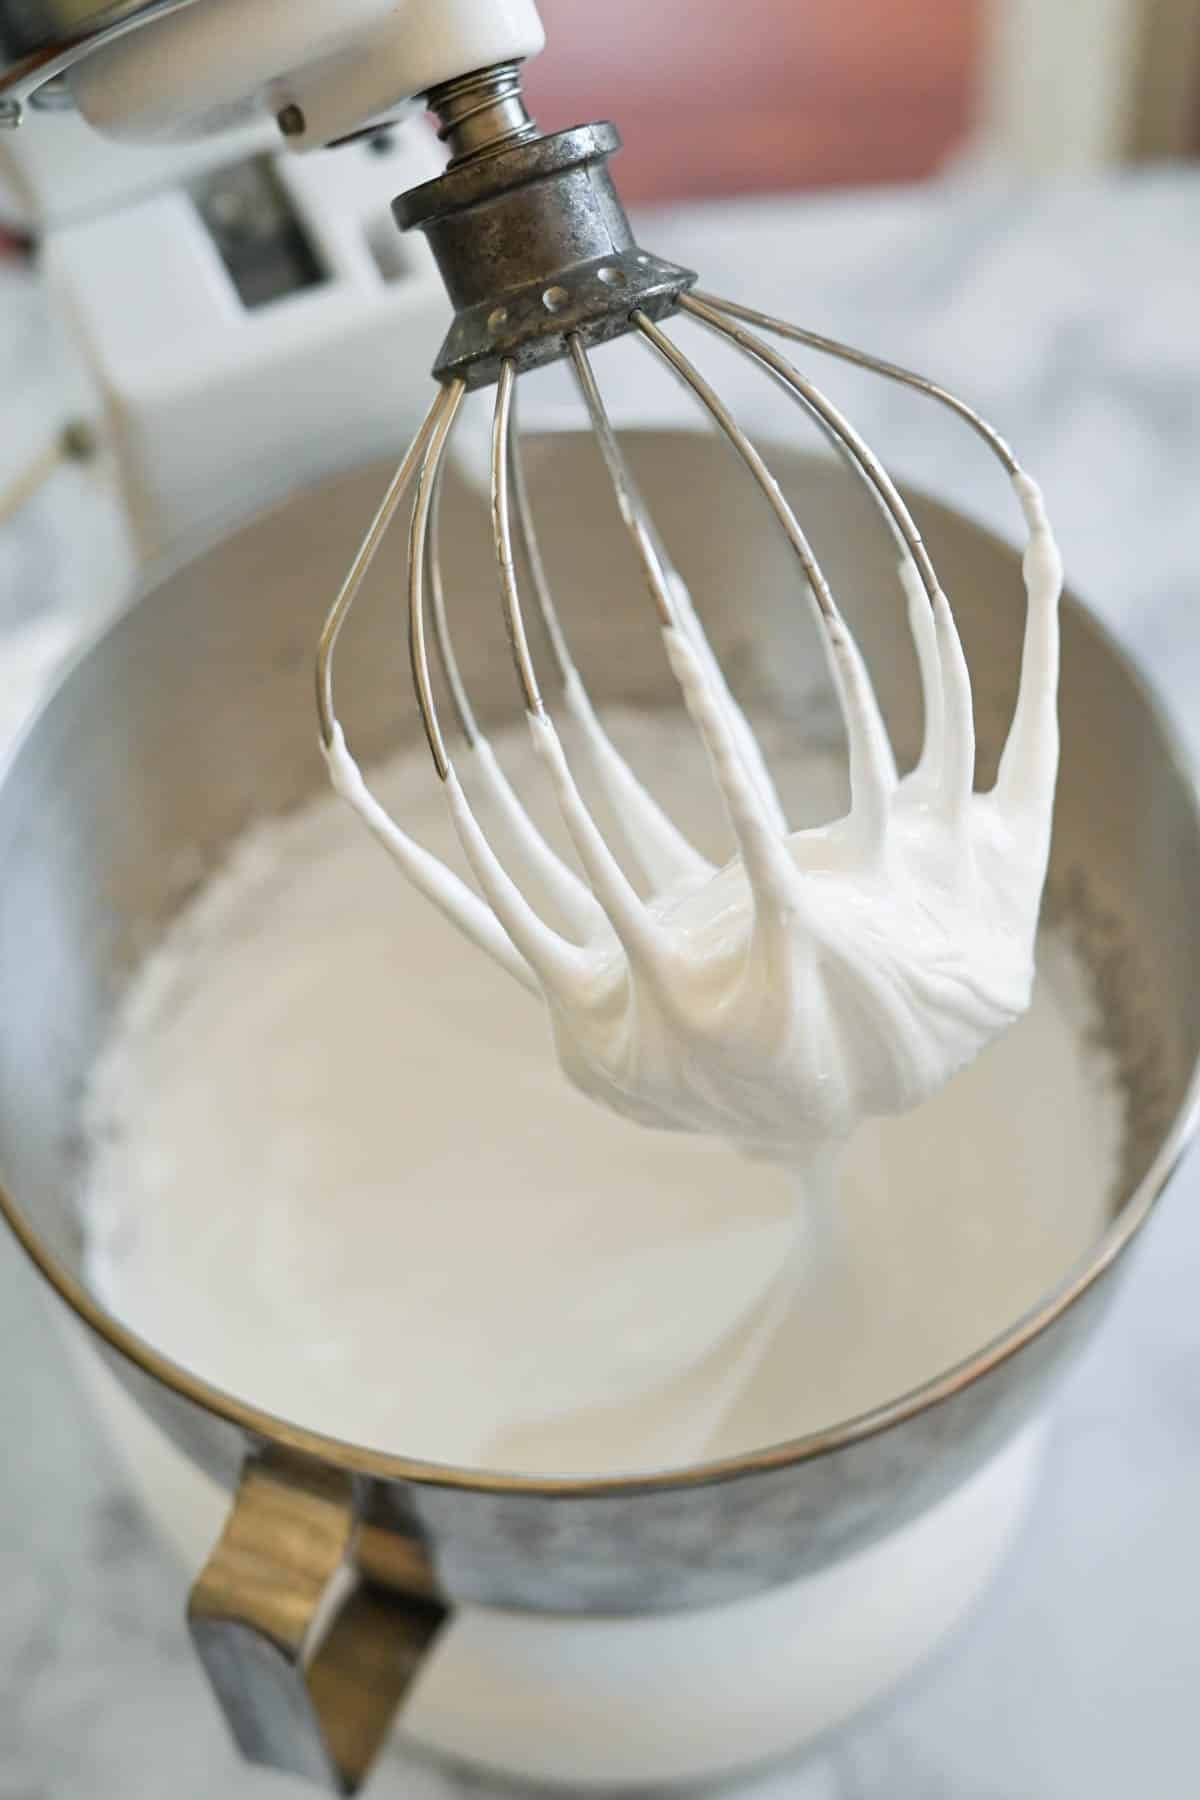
(1071, 318)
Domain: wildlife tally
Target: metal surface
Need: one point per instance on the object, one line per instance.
(529, 234)
(482, 112)
(193, 715)
(46, 39)
(309, 1678)
(428, 484)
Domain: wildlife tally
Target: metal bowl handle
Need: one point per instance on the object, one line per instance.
(308, 1657)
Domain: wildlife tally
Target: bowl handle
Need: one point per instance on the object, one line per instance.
(309, 1658)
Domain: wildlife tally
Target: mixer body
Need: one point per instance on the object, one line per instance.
(154, 70)
(193, 715)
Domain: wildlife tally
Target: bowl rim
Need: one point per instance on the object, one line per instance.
(262, 1426)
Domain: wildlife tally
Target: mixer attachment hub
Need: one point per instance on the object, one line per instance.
(535, 248)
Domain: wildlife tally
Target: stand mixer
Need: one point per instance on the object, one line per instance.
(540, 264)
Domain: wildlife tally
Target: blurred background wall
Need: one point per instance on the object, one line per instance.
(721, 97)
(738, 96)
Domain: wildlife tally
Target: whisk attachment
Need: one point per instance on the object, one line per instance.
(655, 1011)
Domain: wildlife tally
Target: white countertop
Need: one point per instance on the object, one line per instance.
(1073, 320)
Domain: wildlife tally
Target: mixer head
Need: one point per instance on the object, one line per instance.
(149, 71)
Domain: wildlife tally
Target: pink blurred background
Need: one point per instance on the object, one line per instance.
(738, 96)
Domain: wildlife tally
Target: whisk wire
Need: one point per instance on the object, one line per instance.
(948, 755)
(853, 448)
(645, 539)
(945, 678)
(478, 920)
(656, 845)
(418, 553)
(877, 365)
(502, 534)
(753, 819)
(611, 887)
(872, 764)
(436, 591)
(928, 770)
(538, 947)
(560, 883)
(357, 573)
(551, 956)
(532, 551)
(672, 599)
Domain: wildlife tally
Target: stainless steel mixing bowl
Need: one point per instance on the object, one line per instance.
(193, 714)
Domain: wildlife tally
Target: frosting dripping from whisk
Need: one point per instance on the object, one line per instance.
(821, 977)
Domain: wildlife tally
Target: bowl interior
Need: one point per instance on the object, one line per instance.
(194, 714)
